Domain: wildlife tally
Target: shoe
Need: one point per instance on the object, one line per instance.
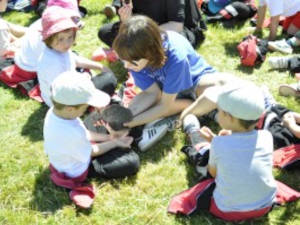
(170, 121)
(151, 135)
(109, 11)
(191, 126)
(289, 90)
(268, 97)
(279, 62)
(155, 130)
(280, 46)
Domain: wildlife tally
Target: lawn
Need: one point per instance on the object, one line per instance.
(28, 197)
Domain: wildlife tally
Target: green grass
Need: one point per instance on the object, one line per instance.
(28, 197)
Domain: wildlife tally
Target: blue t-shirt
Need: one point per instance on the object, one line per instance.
(182, 70)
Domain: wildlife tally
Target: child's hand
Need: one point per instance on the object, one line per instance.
(207, 134)
(124, 141)
(125, 12)
(288, 119)
(224, 132)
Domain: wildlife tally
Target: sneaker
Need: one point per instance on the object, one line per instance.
(280, 46)
(279, 62)
(268, 97)
(289, 90)
(170, 121)
(191, 126)
(151, 135)
(109, 11)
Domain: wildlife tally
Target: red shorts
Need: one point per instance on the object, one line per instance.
(292, 20)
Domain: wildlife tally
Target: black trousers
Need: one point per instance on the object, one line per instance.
(106, 82)
(116, 163)
(108, 32)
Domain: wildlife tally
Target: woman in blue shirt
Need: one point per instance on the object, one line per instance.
(167, 69)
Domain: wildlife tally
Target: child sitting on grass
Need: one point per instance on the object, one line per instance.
(58, 33)
(240, 157)
(68, 143)
(10, 35)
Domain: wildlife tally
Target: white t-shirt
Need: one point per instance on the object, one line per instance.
(31, 48)
(5, 38)
(66, 144)
(281, 7)
(244, 178)
(50, 65)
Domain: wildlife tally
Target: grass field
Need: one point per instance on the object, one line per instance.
(28, 197)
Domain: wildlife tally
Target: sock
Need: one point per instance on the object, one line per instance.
(292, 42)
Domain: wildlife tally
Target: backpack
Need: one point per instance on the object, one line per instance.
(252, 50)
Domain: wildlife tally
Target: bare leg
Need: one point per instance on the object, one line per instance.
(17, 30)
(292, 29)
(204, 104)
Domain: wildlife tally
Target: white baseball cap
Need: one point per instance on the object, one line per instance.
(243, 100)
(73, 88)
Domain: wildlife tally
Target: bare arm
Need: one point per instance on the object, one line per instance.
(201, 106)
(172, 25)
(290, 120)
(212, 170)
(89, 64)
(101, 148)
(167, 105)
(297, 117)
(17, 30)
(96, 137)
(145, 99)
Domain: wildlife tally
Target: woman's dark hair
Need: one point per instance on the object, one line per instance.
(140, 38)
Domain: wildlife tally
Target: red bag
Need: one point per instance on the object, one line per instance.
(247, 50)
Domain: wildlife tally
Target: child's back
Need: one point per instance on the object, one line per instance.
(66, 144)
(244, 178)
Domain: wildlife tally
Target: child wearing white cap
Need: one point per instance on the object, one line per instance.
(240, 157)
(243, 159)
(67, 142)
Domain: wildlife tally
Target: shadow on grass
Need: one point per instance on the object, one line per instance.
(159, 150)
(16, 92)
(34, 125)
(233, 24)
(205, 218)
(46, 196)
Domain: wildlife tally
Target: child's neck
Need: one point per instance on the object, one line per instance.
(64, 114)
(241, 129)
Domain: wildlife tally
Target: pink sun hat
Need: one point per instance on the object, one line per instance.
(71, 5)
(56, 19)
